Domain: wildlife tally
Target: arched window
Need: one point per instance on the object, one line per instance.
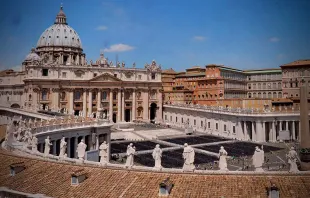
(30, 97)
(254, 95)
(250, 95)
(259, 95)
(269, 95)
(77, 95)
(264, 95)
(274, 94)
(279, 85)
(259, 86)
(280, 95)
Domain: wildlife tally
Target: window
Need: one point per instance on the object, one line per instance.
(30, 97)
(195, 122)
(165, 117)
(95, 74)
(44, 72)
(78, 75)
(153, 76)
(77, 95)
(94, 96)
(170, 118)
(216, 126)
(201, 124)
(234, 129)
(114, 96)
(182, 120)
(104, 95)
(44, 95)
(139, 77)
(209, 125)
(115, 75)
(225, 127)
(64, 74)
(176, 119)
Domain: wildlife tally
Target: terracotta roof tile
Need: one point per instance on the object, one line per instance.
(54, 179)
(298, 63)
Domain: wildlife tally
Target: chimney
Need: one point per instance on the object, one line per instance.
(165, 187)
(16, 168)
(78, 177)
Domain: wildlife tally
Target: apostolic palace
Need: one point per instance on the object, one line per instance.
(73, 127)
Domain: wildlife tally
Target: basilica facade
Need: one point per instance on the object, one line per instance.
(56, 76)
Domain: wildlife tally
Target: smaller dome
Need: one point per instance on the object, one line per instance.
(102, 60)
(32, 56)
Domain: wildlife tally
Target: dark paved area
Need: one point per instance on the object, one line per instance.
(140, 146)
(191, 140)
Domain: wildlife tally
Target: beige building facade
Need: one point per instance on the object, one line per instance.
(56, 76)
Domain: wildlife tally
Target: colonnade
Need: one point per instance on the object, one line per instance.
(92, 141)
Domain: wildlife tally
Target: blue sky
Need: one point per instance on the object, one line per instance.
(245, 34)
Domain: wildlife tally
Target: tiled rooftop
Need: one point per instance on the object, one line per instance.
(53, 179)
(298, 63)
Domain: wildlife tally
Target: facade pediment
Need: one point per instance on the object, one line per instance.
(105, 77)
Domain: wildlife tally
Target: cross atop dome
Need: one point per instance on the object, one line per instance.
(61, 17)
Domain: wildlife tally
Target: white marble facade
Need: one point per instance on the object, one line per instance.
(57, 74)
(259, 127)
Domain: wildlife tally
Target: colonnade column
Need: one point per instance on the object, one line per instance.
(84, 103)
(159, 114)
(280, 126)
(71, 110)
(90, 143)
(54, 147)
(133, 117)
(293, 130)
(245, 131)
(123, 105)
(90, 102)
(68, 147)
(119, 98)
(263, 135)
(258, 130)
(270, 132)
(99, 100)
(274, 133)
(75, 147)
(286, 125)
(253, 132)
(111, 105)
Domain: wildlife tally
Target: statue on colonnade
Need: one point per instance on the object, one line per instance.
(223, 161)
(104, 153)
(189, 157)
(157, 154)
(131, 150)
(63, 147)
(258, 159)
(47, 146)
(81, 149)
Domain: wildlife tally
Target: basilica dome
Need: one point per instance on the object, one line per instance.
(60, 34)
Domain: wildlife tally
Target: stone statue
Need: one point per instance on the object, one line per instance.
(19, 134)
(63, 147)
(111, 64)
(46, 107)
(134, 65)
(80, 113)
(118, 64)
(47, 147)
(81, 148)
(104, 153)
(157, 153)
(41, 107)
(292, 157)
(123, 64)
(104, 116)
(258, 159)
(222, 159)
(189, 157)
(34, 144)
(130, 154)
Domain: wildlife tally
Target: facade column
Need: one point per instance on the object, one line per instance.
(286, 125)
(159, 114)
(84, 103)
(119, 98)
(68, 147)
(133, 113)
(146, 105)
(123, 105)
(71, 110)
(55, 100)
(274, 133)
(90, 103)
(98, 99)
(280, 126)
(111, 105)
(293, 130)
